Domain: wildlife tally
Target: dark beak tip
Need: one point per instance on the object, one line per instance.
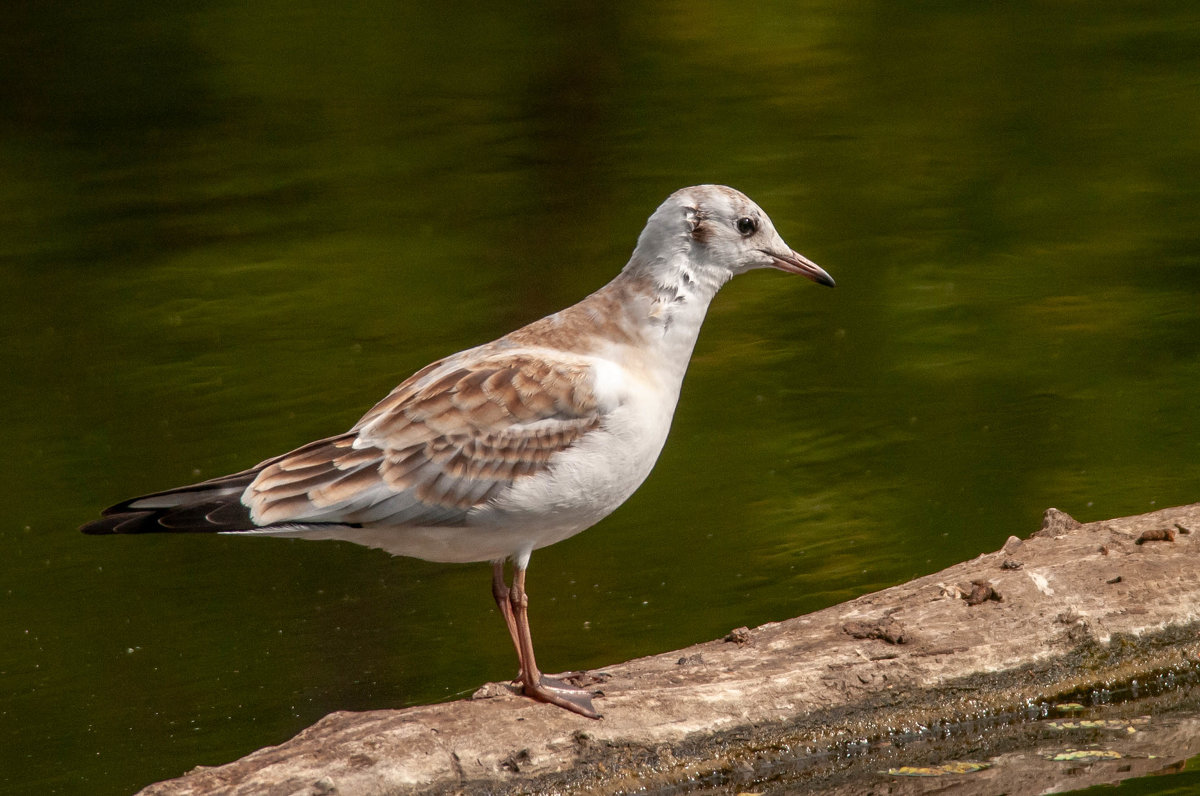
(795, 263)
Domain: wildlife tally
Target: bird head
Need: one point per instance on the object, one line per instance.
(722, 233)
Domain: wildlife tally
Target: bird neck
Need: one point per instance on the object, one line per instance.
(661, 305)
(674, 295)
(651, 311)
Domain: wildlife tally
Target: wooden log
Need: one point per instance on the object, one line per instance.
(1075, 606)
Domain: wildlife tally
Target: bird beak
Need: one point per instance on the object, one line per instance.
(796, 263)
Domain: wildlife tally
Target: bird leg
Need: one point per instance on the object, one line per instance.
(514, 606)
(500, 592)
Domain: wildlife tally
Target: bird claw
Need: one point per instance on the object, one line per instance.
(558, 692)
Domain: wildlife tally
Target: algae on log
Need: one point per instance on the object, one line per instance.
(1073, 606)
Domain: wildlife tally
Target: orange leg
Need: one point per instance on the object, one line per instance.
(500, 592)
(514, 606)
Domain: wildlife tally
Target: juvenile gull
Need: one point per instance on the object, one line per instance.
(496, 451)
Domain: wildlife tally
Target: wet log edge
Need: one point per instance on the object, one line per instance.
(1073, 607)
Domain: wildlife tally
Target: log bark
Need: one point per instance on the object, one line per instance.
(1072, 608)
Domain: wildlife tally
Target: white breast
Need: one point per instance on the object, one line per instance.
(591, 479)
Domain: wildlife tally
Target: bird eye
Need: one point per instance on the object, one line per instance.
(747, 226)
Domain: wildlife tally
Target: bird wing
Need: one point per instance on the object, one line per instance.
(444, 442)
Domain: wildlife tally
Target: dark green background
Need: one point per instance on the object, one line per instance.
(227, 229)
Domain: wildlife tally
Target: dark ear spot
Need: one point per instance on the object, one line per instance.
(698, 225)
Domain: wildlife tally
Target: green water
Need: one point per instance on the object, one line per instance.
(228, 229)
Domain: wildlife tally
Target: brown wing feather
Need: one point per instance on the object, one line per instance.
(442, 443)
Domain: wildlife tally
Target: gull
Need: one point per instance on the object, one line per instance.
(505, 448)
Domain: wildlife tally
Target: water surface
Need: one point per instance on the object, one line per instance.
(228, 230)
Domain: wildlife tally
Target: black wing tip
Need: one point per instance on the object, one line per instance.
(209, 507)
(214, 517)
(122, 522)
(97, 528)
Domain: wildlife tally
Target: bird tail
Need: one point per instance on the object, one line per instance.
(208, 507)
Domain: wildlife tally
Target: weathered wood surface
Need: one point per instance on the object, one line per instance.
(1072, 606)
